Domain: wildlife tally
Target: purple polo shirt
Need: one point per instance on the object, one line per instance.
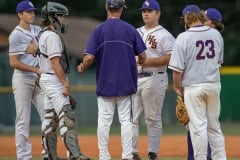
(115, 43)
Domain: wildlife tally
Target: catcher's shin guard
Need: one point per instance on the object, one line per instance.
(50, 144)
(49, 136)
(71, 143)
(67, 122)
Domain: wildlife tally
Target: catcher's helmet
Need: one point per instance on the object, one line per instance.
(51, 11)
(116, 3)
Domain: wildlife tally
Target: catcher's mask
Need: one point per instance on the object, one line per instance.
(51, 11)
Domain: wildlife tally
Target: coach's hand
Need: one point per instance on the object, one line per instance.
(80, 68)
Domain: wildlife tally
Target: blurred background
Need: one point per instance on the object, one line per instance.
(84, 16)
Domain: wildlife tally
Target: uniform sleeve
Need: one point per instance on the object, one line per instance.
(168, 42)
(91, 47)
(54, 45)
(177, 60)
(139, 45)
(18, 43)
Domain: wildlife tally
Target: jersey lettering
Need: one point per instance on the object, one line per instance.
(209, 54)
(152, 41)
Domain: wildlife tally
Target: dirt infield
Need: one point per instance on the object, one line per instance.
(171, 146)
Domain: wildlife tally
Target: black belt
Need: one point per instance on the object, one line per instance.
(49, 73)
(148, 74)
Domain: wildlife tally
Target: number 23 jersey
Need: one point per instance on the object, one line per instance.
(198, 53)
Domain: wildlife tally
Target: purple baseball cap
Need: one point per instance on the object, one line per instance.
(150, 4)
(213, 14)
(25, 5)
(191, 9)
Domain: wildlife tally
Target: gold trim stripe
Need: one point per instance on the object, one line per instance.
(233, 70)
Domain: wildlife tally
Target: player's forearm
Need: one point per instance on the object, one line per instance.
(158, 61)
(177, 83)
(16, 64)
(141, 58)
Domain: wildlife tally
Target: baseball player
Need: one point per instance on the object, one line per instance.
(54, 65)
(213, 19)
(114, 44)
(195, 61)
(22, 44)
(152, 78)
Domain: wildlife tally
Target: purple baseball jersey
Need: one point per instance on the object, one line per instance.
(115, 43)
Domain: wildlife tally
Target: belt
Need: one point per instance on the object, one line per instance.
(49, 73)
(148, 74)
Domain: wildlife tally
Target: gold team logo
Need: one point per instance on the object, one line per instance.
(152, 41)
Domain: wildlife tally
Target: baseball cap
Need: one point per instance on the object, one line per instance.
(213, 14)
(25, 5)
(190, 9)
(116, 3)
(150, 4)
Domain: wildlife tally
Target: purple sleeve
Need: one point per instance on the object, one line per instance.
(139, 45)
(91, 47)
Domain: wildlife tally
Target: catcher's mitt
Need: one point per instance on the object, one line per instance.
(73, 102)
(181, 111)
(37, 80)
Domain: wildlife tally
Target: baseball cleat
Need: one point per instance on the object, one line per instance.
(58, 158)
(152, 156)
(209, 158)
(83, 157)
(136, 156)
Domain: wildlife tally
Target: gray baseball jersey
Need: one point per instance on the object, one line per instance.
(19, 40)
(49, 38)
(158, 42)
(193, 54)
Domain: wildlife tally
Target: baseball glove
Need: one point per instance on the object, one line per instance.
(73, 102)
(181, 111)
(37, 80)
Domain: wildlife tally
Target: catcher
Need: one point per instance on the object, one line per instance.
(54, 66)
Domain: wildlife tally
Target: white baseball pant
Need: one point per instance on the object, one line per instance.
(149, 98)
(54, 98)
(106, 107)
(25, 92)
(203, 104)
